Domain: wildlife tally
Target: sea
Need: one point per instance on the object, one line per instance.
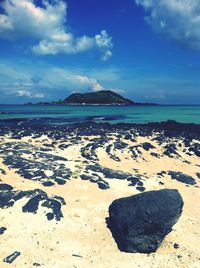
(69, 114)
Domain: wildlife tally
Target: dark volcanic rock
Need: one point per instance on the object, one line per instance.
(36, 197)
(36, 264)
(5, 187)
(107, 172)
(140, 188)
(2, 171)
(32, 205)
(2, 230)
(179, 176)
(33, 166)
(155, 154)
(102, 184)
(171, 150)
(147, 146)
(12, 257)
(48, 183)
(139, 223)
(195, 148)
(176, 246)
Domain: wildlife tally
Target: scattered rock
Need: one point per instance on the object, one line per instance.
(2, 171)
(2, 230)
(139, 223)
(33, 166)
(179, 176)
(48, 183)
(102, 184)
(12, 257)
(155, 154)
(50, 216)
(36, 264)
(162, 173)
(76, 255)
(36, 197)
(147, 146)
(195, 148)
(176, 246)
(140, 189)
(171, 150)
(5, 187)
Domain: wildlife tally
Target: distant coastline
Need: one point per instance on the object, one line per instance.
(90, 104)
(103, 97)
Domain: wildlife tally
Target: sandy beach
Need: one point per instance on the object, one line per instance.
(85, 169)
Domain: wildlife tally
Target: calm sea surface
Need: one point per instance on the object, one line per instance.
(113, 114)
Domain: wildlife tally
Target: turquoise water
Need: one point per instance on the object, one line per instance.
(112, 114)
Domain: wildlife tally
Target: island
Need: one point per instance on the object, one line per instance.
(103, 97)
(99, 97)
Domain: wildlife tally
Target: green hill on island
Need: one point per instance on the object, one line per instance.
(99, 97)
(103, 97)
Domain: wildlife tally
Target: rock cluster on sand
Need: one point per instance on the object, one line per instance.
(37, 197)
(139, 223)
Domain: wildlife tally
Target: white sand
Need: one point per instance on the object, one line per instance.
(83, 229)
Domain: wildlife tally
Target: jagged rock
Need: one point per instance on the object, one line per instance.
(33, 168)
(12, 257)
(195, 149)
(36, 197)
(139, 223)
(107, 172)
(2, 230)
(176, 246)
(155, 154)
(48, 183)
(140, 188)
(5, 187)
(2, 171)
(171, 150)
(179, 176)
(102, 184)
(36, 264)
(147, 146)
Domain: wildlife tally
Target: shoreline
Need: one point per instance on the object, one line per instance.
(169, 125)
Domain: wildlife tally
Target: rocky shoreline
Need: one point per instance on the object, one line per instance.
(63, 178)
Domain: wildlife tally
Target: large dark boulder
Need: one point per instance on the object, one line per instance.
(139, 223)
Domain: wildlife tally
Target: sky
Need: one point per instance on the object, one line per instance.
(146, 50)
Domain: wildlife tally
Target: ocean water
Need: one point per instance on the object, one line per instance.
(56, 114)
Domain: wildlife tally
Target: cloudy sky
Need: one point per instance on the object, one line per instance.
(147, 50)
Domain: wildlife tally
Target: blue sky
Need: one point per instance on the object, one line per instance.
(146, 50)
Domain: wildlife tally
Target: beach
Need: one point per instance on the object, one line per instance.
(99, 134)
(83, 168)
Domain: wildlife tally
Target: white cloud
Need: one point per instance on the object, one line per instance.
(178, 20)
(39, 95)
(26, 93)
(78, 45)
(92, 83)
(23, 93)
(45, 81)
(107, 55)
(46, 26)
